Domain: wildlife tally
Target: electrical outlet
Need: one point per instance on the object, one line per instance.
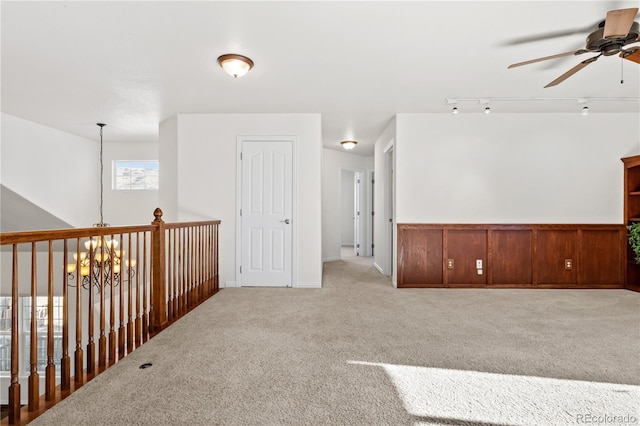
(449, 263)
(479, 271)
(478, 264)
(568, 264)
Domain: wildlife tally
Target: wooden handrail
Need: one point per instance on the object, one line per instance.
(7, 238)
(123, 297)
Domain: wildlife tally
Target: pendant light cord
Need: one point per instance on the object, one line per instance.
(101, 224)
(101, 179)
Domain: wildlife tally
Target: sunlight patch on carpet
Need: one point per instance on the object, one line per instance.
(441, 396)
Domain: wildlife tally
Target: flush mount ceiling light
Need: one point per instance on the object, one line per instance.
(348, 145)
(235, 65)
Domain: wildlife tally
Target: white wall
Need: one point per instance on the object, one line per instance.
(57, 171)
(128, 207)
(347, 205)
(333, 163)
(512, 168)
(168, 179)
(204, 180)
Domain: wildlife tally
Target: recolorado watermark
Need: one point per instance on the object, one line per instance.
(606, 419)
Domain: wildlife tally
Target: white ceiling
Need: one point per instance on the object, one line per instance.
(131, 65)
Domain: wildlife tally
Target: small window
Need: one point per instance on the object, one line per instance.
(132, 175)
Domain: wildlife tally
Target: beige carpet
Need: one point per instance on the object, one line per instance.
(358, 352)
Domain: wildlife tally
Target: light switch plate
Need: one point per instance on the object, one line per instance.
(478, 263)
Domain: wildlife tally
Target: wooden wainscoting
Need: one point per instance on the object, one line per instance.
(518, 256)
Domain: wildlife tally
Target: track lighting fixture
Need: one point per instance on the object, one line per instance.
(484, 102)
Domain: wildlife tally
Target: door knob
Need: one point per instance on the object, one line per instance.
(285, 221)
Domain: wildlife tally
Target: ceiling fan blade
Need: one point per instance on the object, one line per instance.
(559, 55)
(618, 22)
(550, 35)
(572, 71)
(632, 55)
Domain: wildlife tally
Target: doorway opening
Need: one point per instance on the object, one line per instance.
(386, 217)
(356, 213)
(349, 214)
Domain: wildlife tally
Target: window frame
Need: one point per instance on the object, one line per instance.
(150, 170)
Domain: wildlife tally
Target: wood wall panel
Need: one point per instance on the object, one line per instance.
(600, 265)
(421, 254)
(518, 255)
(511, 256)
(464, 247)
(553, 248)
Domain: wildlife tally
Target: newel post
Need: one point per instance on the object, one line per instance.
(158, 275)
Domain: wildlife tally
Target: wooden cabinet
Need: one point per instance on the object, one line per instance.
(516, 255)
(631, 214)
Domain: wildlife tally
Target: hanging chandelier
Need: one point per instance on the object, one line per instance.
(102, 263)
(102, 258)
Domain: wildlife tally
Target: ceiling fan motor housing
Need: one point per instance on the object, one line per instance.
(613, 45)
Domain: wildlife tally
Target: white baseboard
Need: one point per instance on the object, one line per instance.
(378, 268)
(308, 285)
(229, 284)
(331, 259)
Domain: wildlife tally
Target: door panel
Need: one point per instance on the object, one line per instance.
(511, 254)
(464, 248)
(266, 219)
(553, 248)
(420, 256)
(602, 253)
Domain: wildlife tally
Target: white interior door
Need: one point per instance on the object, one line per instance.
(356, 213)
(266, 213)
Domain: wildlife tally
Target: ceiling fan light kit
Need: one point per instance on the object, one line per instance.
(612, 35)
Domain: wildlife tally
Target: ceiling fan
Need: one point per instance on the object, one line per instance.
(614, 33)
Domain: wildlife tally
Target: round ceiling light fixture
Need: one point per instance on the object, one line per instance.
(348, 145)
(235, 65)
